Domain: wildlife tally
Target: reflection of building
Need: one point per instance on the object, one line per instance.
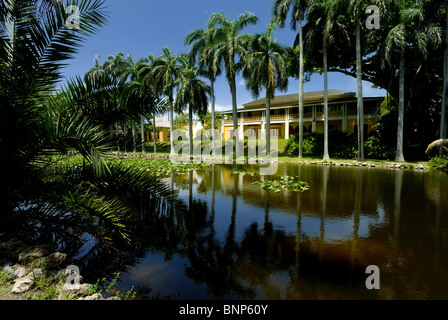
(162, 130)
(342, 113)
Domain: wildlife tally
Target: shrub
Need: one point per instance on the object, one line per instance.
(440, 162)
(376, 150)
(341, 144)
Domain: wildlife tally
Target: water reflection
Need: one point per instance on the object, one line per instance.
(235, 240)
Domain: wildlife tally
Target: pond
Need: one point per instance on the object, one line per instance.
(239, 241)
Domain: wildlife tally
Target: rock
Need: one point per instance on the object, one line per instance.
(11, 249)
(52, 261)
(70, 291)
(19, 271)
(8, 269)
(22, 285)
(33, 253)
(36, 274)
(96, 296)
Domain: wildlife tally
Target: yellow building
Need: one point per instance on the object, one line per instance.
(342, 114)
(163, 130)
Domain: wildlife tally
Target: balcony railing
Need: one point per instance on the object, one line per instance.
(305, 115)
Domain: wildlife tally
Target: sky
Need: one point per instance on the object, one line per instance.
(142, 27)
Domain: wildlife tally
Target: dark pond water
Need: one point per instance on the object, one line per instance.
(238, 241)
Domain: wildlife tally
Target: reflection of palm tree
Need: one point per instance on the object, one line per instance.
(325, 174)
(356, 217)
(230, 237)
(397, 207)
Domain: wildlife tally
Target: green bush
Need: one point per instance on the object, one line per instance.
(440, 162)
(341, 144)
(376, 150)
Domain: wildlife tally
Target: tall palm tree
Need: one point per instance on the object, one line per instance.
(229, 43)
(324, 26)
(281, 9)
(124, 71)
(411, 24)
(445, 83)
(166, 72)
(203, 50)
(356, 7)
(193, 93)
(265, 67)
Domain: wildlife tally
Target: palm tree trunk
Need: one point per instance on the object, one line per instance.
(134, 137)
(212, 97)
(235, 118)
(171, 125)
(268, 125)
(125, 133)
(400, 156)
(445, 86)
(154, 130)
(190, 126)
(118, 137)
(301, 98)
(360, 95)
(142, 130)
(326, 154)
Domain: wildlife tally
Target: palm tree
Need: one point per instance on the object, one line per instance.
(203, 50)
(124, 72)
(356, 7)
(445, 83)
(410, 25)
(166, 72)
(265, 66)
(229, 43)
(42, 198)
(148, 85)
(192, 93)
(281, 9)
(324, 26)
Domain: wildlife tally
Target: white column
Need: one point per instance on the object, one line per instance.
(241, 127)
(263, 125)
(287, 124)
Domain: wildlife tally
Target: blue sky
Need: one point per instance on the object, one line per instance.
(143, 27)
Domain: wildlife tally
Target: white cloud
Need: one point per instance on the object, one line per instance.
(220, 107)
(242, 83)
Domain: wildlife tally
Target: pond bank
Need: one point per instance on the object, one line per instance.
(220, 160)
(40, 273)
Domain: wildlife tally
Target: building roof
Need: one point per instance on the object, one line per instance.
(292, 99)
(162, 122)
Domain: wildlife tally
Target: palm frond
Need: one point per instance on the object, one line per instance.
(436, 145)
